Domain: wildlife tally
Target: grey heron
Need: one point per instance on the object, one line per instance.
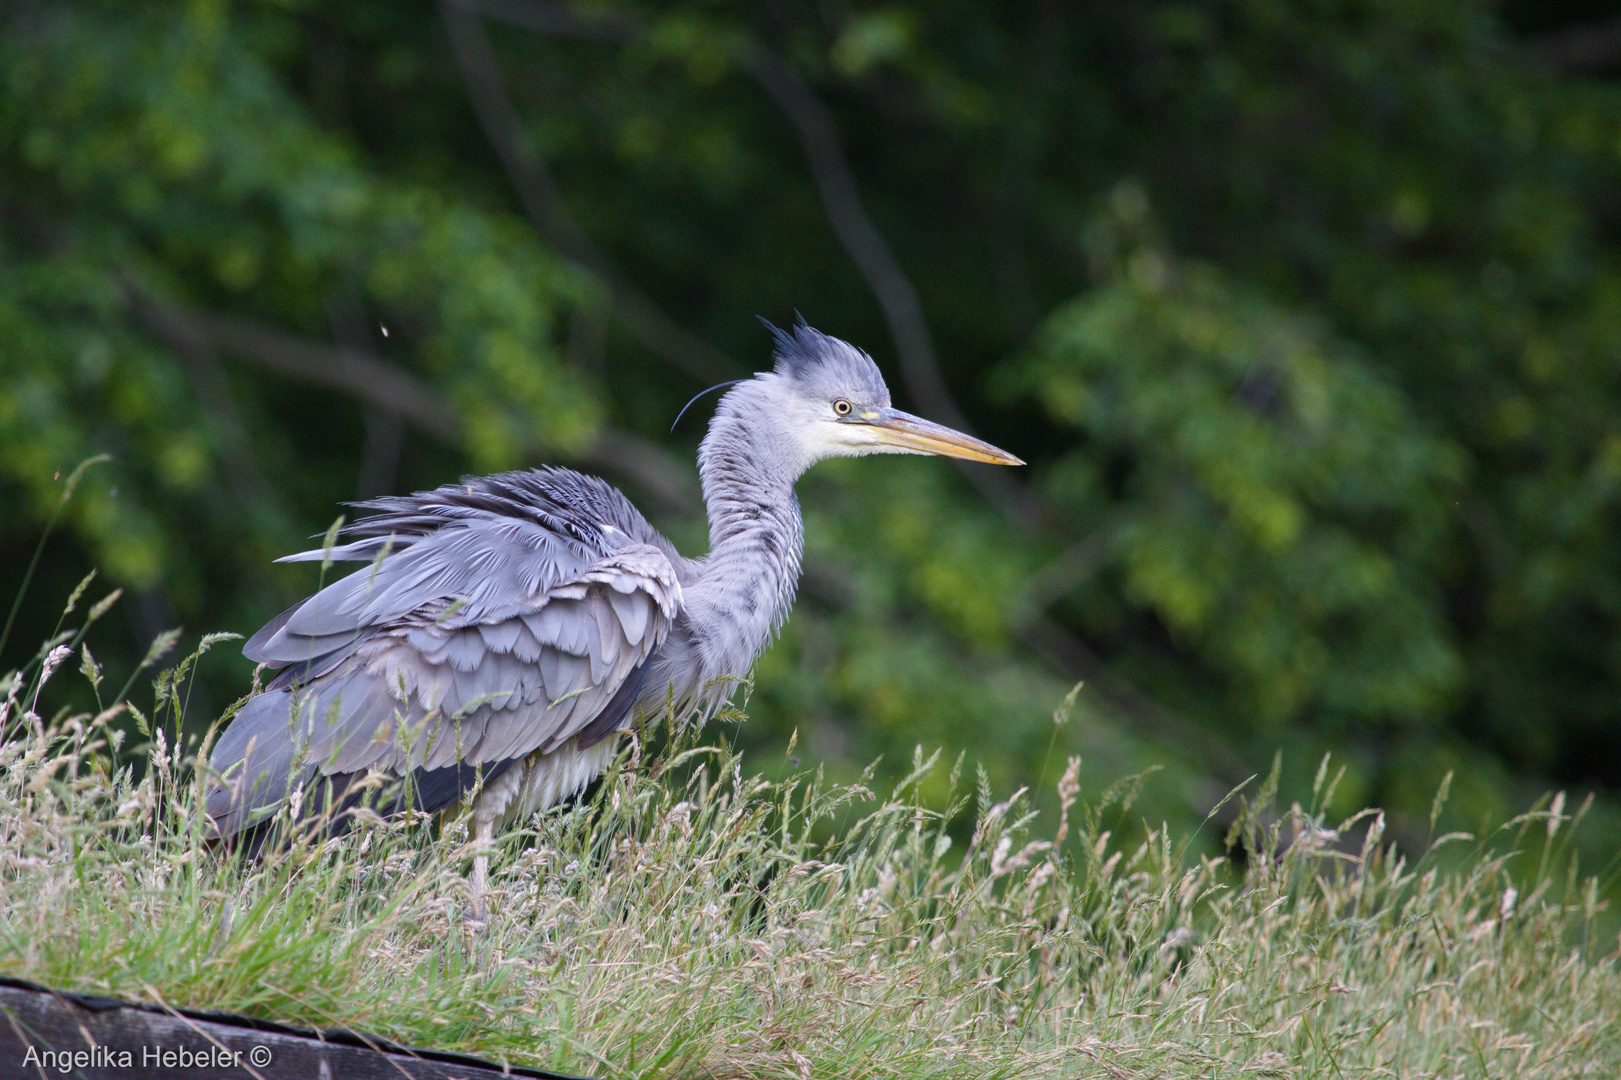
(508, 627)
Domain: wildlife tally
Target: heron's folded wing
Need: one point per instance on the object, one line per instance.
(489, 569)
(487, 701)
(472, 683)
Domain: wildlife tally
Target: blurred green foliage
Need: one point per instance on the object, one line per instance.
(1307, 315)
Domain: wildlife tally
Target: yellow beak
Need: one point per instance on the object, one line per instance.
(913, 433)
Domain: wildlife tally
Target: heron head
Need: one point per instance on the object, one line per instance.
(831, 396)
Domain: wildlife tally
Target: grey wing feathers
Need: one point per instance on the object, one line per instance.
(482, 641)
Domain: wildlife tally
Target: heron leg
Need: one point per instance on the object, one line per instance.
(483, 840)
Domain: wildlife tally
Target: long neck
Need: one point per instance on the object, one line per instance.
(756, 537)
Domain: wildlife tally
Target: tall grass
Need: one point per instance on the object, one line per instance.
(690, 920)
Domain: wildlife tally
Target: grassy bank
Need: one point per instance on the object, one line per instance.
(690, 921)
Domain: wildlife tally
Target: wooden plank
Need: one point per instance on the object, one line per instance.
(49, 1034)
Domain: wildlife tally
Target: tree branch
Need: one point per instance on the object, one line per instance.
(385, 387)
(354, 372)
(841, 201)
(867, 248)
(543, 203)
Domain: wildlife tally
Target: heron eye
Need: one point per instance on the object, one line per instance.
(842, 407)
